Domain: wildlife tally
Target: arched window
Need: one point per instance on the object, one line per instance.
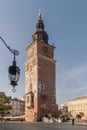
(30, 67)
(27, 99)
(30, 99)
(30, 86)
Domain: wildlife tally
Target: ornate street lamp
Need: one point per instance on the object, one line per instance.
(13, 70)
(14, 74)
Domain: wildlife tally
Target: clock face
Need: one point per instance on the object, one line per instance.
(45, 49)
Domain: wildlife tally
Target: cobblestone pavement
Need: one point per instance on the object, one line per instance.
(40, 126)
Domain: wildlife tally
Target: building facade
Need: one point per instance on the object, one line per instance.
(63, 109)
(77, 105)
(18, 107)
(40, 76)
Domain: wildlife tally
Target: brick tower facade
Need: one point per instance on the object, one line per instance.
(40, 76)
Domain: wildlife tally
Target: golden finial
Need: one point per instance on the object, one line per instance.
(40, 14)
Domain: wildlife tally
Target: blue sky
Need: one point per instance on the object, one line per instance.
(66, 24)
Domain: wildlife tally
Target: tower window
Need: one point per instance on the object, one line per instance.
(32, 99)
(30, 86)
(36, 37)
(40, 37)
(30, 67)
(42, 86)
(27, 99)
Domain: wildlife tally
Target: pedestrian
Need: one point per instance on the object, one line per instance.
(73, 121)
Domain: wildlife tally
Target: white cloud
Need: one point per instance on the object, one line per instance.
(72, 83)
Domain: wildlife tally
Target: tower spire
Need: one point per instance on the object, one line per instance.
(40, 35)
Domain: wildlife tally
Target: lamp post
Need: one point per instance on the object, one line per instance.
(13, 70)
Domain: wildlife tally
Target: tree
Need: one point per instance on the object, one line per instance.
(80, 115)
(5, 106)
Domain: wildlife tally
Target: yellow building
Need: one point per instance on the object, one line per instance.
(77, 105)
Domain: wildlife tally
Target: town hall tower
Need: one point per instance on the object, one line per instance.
(40, 76)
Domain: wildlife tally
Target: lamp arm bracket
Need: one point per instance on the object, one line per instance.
(15, 52)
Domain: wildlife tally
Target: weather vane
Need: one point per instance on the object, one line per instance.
(40, 14)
